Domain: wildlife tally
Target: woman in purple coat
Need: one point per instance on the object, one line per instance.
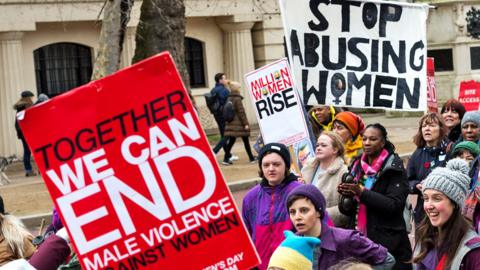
(306, 206)
(445, 240)
(263, 208)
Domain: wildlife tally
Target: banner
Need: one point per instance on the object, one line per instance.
(358, 53)
(469, 95)
(113, 154)
(279, 110)
(432, 103)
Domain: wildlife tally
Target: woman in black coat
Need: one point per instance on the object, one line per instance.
(432, 147)
(380, 188)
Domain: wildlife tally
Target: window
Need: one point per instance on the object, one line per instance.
(194, 62)
(60, 67)
(475, 57)
(443, 59)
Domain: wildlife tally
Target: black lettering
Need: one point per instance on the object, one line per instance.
(43, 149)
(311, 44)
(277, 102)
(136, 118)
(289, 98)
(262, 107)
(176, 98)
(120, 118)
(151, 256)
(353, 49)
(70, 150)
(101, 132)
(345, 12)
(398, 59)
(322, 22)
(388, 13)
(337, 87)
(403, 91)
(369, 15)
(379, 91)
(417, 46)
(318, 94)
(374, 56)
(342, 52)
(90, 139)
(365, 81)
(155, 110)
(295, 46)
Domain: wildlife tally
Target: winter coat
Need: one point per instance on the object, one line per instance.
(236, 128)
(385, 203)
(327, 183)
(20, 106)
(420, 164)
(339, 244)
(266, 216)
(222, 93)
(455, 133)
(7, 255)
(466, 258)
(51, 254)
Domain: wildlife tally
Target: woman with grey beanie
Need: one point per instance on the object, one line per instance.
(445, 239)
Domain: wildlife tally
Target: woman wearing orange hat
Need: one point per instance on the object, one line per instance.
(349, 126)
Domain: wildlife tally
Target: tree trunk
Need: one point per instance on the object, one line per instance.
(116, 17)
(162, 28)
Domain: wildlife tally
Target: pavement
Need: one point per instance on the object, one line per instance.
(28, 197)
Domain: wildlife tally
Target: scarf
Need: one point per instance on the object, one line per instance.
(367, 178)
(352, 148)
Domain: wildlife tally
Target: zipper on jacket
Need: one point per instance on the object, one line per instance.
(272, 206)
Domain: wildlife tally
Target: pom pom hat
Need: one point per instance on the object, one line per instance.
(453, 180)
(294, 253)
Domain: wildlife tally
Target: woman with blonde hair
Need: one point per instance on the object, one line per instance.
(15, 240)
(325, 172)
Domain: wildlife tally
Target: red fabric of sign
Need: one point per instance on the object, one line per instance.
(133, 177)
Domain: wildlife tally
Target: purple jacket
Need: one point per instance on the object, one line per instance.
(51, 254)
(466, 258)
(265, 215)
(340, 244)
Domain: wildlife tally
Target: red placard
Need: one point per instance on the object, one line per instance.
(469, 95)
(133, 177)
(432, 103)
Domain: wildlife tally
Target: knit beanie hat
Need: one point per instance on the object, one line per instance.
(313, 194)
(352, 121)
(294, 253)
(278, 148)
(467, 145)
(453, 180)
(472, 116)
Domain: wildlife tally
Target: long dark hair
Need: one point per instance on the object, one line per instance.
(446, 242)
(384, 134)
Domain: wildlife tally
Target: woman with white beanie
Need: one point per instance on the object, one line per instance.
(444, 239)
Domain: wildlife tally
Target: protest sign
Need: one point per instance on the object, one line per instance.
(133, 177)
(279, 110)
(364, 54)
(432, 103)
(469, 95)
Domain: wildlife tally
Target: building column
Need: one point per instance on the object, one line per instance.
(238, 57)
(11, 85)
(128, 47)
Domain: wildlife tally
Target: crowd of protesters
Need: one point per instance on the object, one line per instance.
(346, 210)
(353, 197)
